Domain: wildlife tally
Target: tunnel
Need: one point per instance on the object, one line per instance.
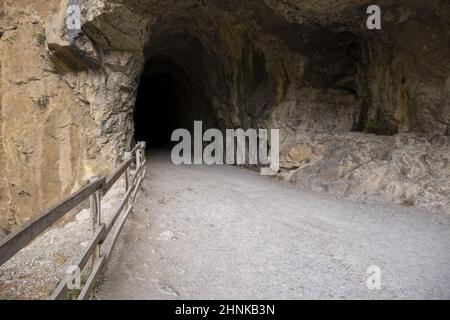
(174, 90)
(155, 107)
(344, 97)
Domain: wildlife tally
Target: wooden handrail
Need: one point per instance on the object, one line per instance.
(119, 211)
(16, 241)
(138, 171)
(92, 279)
(115, 236)
(136, 147)
(111, 180)
(62, 289)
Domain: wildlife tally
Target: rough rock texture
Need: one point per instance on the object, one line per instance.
(404, 169)
(53, 136)
(363, 113)
(39, 133)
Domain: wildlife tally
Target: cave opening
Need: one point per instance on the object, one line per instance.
(163, 101)
(155, 111)
(174, 90)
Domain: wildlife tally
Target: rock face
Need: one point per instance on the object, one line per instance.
(363, 113)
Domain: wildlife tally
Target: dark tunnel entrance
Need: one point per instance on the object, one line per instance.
(169, 97)
(163, 102)
(177, 87)
(155, 111)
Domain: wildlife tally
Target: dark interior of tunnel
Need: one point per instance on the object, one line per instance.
(172, 93)
(155, 110)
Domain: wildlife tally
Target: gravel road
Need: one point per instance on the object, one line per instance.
(224, 232)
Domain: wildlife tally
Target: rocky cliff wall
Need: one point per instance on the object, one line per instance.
(363, 113)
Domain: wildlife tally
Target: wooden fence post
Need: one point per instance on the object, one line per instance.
(127, 156)
(95, 206)
(144, 146)
(138, 158)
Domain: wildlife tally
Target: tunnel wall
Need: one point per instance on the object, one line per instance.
(363, 114)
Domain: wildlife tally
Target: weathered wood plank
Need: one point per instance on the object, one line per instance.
(119, 211)
(92, 279)
(116, 233)
(136, 147)
(138, 185)
(16, 241)
(61, 291)
(136, 174)
(111, 180)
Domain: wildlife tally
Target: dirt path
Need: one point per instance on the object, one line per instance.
(221, 232)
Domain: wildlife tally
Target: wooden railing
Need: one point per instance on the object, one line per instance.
(102, 233)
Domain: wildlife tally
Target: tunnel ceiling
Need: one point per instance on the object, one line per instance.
(245, 58)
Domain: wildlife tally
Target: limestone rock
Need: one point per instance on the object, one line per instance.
(371, 108)
(296, 155)
(300, 153)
